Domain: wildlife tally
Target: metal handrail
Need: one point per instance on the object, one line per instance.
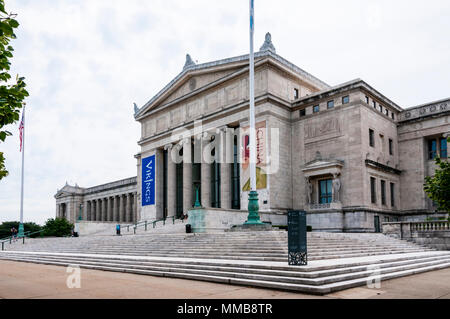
(25, 234)
(145, 223)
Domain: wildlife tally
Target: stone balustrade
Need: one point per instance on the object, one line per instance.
(435, 234)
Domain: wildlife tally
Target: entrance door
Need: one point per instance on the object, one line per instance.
(377, 224)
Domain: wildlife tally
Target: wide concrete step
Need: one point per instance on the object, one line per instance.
(317, 281)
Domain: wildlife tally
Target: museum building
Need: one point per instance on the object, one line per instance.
(347, 155)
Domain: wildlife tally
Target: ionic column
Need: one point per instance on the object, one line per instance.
(205, 169)
(97, 210)
(85, 208)
(88, 214)
(187, 175)
(115, 210)
(121, 210)
(225, 168)
(103, 209)
(128, 208)
(171, 182)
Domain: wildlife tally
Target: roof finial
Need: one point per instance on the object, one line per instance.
(268, 45)
(189, 62)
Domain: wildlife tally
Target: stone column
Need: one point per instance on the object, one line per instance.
(115, 210)
(206, 171)
(225, 168)
(187, 175)
(85, 210)
(88, 207)
(121, 210)
(97, 209)
(128, 208)
(171, 182)
(104, 212)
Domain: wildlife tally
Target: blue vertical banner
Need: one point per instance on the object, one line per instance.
(148, 181)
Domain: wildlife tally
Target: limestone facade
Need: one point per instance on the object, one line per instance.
(347, 154)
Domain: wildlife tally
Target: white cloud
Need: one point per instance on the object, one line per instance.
(86, 62)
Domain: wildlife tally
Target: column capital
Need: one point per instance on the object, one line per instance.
(168, 147)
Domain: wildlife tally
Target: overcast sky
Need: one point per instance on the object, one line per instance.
(86, 62)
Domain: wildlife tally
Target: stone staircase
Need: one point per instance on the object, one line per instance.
(336, 261)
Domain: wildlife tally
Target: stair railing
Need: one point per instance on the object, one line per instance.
(146, 223)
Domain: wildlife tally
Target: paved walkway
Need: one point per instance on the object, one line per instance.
(26, 280)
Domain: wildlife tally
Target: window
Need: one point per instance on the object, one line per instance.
(345, 99)
(295, 93)
(316, 108)
(371, 138)
(432, 149)
(443, 147)
(386, 111)
(393, 116)
(383, 192)
(330, 104)
(386, 219)
(325, 193)
(367, 99)
(373, 193)
(374, 104)
(392, 195)
(391, 147)
(302, 112)
(381, 108)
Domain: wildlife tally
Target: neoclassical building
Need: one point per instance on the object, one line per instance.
(346, 154)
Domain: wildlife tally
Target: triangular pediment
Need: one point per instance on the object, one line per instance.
(190, 82)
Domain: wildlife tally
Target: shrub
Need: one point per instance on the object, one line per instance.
(57, 227)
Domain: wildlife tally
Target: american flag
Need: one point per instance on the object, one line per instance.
(21, 127)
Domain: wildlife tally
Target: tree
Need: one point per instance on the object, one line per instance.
(12, 93)
(57, 227)
(5, 228)
(437, 187)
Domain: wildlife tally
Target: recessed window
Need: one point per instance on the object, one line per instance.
(374, 104)
(391, 147)
(345, 99)
(325, 192)
(302, 112)
(381, 109)
(371, 138)
(296, 94)
(383, 192)
(443, 147)
(393, 116)
(316, 108)
(392, 194)
(373, 193)
(432, 146)
(386, 111)
(330, 104)
(367, 99)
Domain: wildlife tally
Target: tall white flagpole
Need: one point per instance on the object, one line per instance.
(21, 229)
(253, 205)
(252, 102)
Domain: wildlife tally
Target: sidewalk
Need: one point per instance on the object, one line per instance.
(26, 280)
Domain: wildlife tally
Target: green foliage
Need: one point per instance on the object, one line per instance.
(57, 227)
(5, 228)
(12, 93)
(437, 187)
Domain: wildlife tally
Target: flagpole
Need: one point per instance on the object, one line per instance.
(21, 228)
(253, 206)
